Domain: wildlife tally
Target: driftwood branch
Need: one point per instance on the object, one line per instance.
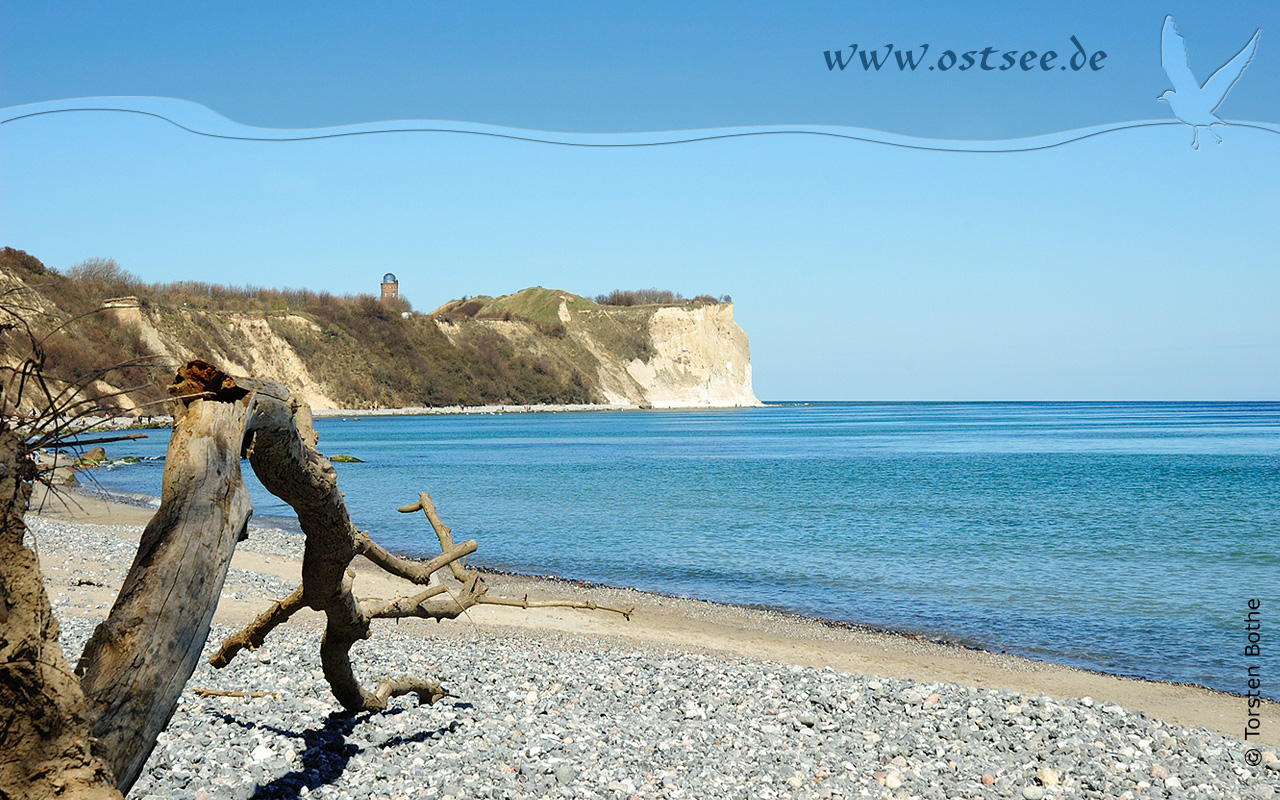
(445, 535)
(400, 607)
(253, 636)
(416, 571)
(217, 693)
(428, 692)
(442, 531)
(591, 605)
(280, 443)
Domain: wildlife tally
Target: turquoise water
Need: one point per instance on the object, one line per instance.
(1123, 537)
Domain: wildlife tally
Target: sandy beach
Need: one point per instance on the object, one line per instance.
(709, 628)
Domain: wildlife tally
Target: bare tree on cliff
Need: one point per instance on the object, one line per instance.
(87, 732)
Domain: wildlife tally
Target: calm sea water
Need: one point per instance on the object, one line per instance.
(1123, 537)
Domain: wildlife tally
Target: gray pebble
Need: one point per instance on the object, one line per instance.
(612, 720)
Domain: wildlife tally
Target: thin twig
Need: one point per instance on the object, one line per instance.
(104, 440)
(217, 693)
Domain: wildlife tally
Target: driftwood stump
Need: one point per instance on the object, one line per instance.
(44, 724)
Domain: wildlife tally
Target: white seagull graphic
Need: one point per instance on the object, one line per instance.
(1192, 103)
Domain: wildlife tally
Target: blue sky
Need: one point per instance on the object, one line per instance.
(1125, 266)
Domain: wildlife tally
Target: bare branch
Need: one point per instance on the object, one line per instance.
(428, 692)
(253, 636)
(490, 600)
(216, 693)
(442, 531)
(418, 572)
(404, 606)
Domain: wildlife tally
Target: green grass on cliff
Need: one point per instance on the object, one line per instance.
(535, 304)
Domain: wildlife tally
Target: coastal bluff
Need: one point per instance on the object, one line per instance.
(537, 346)
(682, 355)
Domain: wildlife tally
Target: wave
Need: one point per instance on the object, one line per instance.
(203, 121)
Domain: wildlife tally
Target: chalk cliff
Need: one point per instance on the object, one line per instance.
(699, 357)
(681, 355)
(243, 344)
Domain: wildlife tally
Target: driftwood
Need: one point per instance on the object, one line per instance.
(137, 661)
(464, 576)
(88, 733)
(44, 727)
(220, 693)
(280, 443)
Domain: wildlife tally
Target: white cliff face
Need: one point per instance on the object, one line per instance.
(701, 359)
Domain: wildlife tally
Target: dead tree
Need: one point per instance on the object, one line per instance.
(46, 749)
(88, 734)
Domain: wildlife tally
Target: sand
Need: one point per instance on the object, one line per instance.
(676, 623)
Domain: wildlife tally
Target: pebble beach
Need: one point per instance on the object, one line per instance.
(689, 700)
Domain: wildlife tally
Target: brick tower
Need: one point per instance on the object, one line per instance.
(390, 287)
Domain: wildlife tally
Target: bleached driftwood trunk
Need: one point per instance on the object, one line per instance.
(135, 665)
(88, 733)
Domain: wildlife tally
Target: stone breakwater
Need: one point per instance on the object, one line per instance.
(546, 714)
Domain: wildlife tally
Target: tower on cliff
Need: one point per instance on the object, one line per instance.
(390, 287)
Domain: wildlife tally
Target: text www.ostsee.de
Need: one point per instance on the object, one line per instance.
(988, 59)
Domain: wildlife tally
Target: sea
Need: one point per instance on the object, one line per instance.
(1127, 538)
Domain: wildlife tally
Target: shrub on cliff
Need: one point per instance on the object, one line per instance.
(660, 297)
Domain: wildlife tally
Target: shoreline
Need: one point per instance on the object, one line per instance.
(425, 411)
(903, 634)
(164, 421)
(539, 408)
(149, 504)
(742, 631)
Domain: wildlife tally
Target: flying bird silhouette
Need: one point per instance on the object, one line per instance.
(1192, 103)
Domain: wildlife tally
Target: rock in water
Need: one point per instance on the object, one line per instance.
(93, 457)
